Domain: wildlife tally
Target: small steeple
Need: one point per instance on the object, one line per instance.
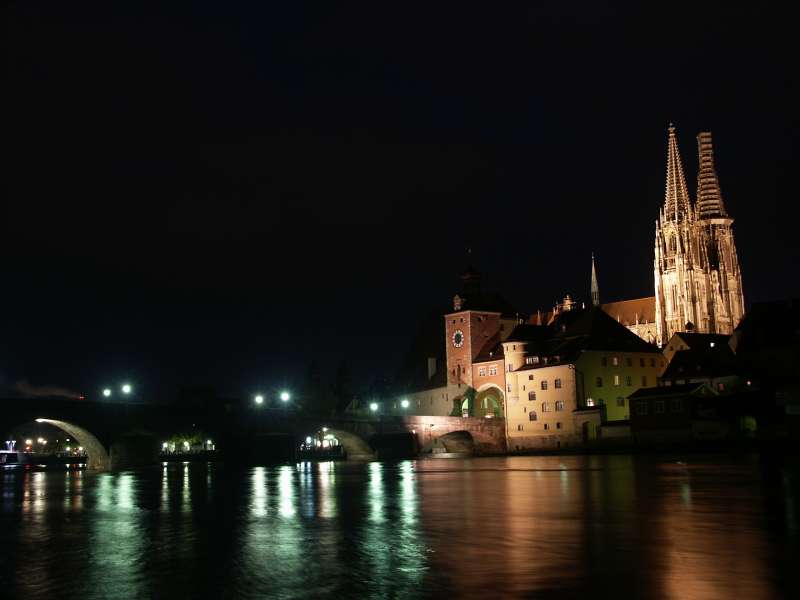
(595, 288)
(676, 200)
(709, 196)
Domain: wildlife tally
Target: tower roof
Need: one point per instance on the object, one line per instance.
(676, 201)
(709, 196)
(595, 288)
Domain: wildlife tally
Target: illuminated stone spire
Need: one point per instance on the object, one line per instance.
(595, 288)
(709, 197)
(676, 201)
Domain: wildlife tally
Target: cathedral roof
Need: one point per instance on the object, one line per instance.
(630, 312)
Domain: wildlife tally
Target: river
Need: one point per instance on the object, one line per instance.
(548, 527)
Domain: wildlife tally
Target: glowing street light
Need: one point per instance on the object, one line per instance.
(285, 397)
(29, 442)
(126, 388)
(259, 399)
(107, 392)
(404, 403)
(373, 406)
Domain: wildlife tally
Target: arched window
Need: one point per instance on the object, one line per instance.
(673, 243)
(532, 415)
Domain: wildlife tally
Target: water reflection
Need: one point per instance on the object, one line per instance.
(524, 526)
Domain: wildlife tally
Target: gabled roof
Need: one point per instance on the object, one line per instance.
(702, 341)
(672, 390)
(701, 362)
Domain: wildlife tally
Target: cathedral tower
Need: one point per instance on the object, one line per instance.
(696, 269)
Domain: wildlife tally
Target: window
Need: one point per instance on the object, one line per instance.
(604, 362)
(616, 380)
(677, 405)
(492, 369)
(508, 387)
(558, 425)
(628, 380)
(644, 380)
(530, 377)
(641, 362)
(531, 396)
(641, 407)
(529, 360)
(629, 362)
(532, 415)
(720, 387)
(523, 388)
(545, 407)
(620, 401)
(559, 405)
(482, 372)
(544, 384)
(519, 427)
(658, 407)
(557, 384)
(509, 367)
(615, 361)
(652, 362)
(546, 426)
(599, 382)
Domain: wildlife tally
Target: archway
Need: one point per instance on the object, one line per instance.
(489, 402)
(96, 454)
(457, 441)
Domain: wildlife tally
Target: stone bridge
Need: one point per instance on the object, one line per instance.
(117, 435)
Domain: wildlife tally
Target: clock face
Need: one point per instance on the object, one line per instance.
(458, 338)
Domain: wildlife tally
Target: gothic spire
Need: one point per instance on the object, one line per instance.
(676, 201)
(709, 197)
(595, 288)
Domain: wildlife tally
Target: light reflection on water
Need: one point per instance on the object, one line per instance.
(621, 526)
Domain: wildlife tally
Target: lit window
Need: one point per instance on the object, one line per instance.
(720, 387)
(544, 384)
(615, 361)
(557, 384)
(559, 405)
(531, 395)
(482, 372)
(616, 380)
(492, 369)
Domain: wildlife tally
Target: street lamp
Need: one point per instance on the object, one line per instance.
(373, 406)
(107, 392)
(285, 396)
(126, 388)
(259, 399)
(404, 403)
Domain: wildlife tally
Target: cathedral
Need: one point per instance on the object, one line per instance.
(698, 283)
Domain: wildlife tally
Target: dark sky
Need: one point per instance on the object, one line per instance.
(196, 193)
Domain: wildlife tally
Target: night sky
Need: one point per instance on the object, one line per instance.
(201, 194)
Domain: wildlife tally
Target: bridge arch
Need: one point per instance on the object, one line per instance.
(96, 454)
(354, 445)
